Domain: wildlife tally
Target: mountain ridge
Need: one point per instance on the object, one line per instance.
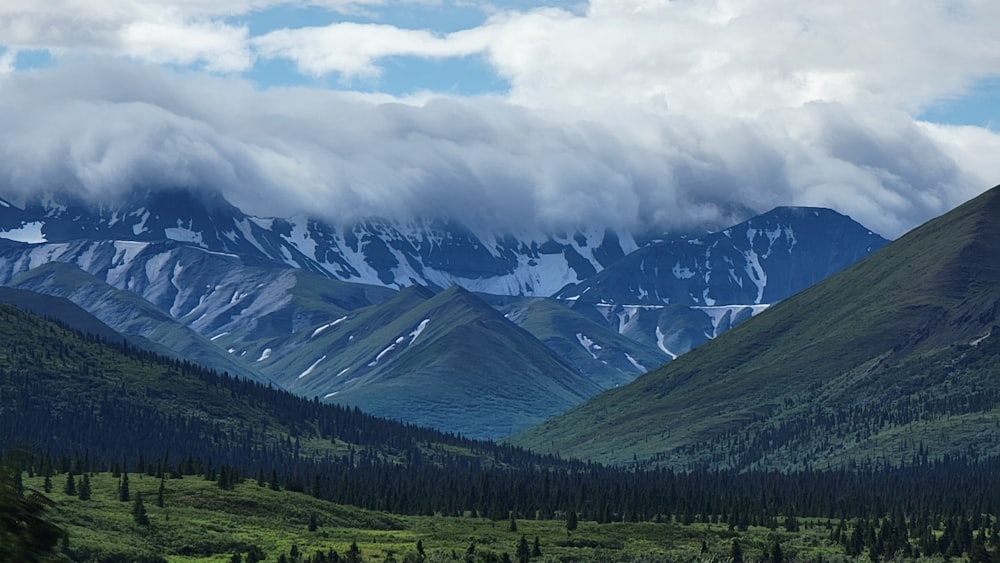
(850, 344)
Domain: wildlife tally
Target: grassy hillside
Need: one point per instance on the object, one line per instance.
(893, 357)
(199, 522)
(131, 316)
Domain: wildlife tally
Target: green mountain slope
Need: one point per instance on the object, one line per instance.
(446, 360)
(130, 315)
(592, 348)
(62, 310)
(894, 358)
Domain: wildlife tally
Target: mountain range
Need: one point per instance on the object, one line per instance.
(426, 321)
(890, 361)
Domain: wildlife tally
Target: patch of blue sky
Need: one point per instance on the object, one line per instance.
(458, 76)
(440, 19)
(980, 106)
(33, 59)
(400, 76)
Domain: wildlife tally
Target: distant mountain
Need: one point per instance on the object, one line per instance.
(589, 345)
(892, 360)
(190, 275)
(433, 252)
(449, 361)
(677, 293)
(760, 261)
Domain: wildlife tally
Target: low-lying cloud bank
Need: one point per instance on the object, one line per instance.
(101, 128)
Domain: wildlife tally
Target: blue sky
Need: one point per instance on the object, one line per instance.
(635, 112)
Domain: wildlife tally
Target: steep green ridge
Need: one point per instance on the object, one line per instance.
(131, 316)
(62, 310)
(445, 360)
(895, 356)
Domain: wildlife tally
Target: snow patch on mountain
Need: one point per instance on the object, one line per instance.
(264, 355)
(184, 234)
(589, 345)
(27, 232)
(320, 330)
(417, 331)
(311, 368)
(635, 363)
(977, 341)
(661, 343)
(386, 351)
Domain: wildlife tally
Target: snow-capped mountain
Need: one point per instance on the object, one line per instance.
(760, 261)
(677, 293)
(433, 252)
(316, 308)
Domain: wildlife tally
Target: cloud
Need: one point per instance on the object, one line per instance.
(648, 114)
(353, 50)
(101, 128)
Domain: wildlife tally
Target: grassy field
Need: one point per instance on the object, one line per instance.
(199, 522)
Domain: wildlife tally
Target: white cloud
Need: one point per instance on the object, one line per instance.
(353, 50)
(745, 57)
(631, 112)
(102, 128)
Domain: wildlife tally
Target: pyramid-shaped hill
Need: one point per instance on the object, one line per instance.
(447, 360)
(893, 360)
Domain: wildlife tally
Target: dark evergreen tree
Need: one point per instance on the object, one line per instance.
(139, 514)
(313, 522)
(159, 492)
(70, 488)
(777, 554)
(84, 489)
(523, 550)
(354, 553)
(536, 550)
(571, 521)
(736, 552)
(124, 495)
(512, 526)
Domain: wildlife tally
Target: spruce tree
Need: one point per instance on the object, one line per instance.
(313, 522)
(84, 489)
(139, 511)
(536, 550)
(160, 491)
(777, 555)
(353, 553)
(736, 552)
(512, 526)
(571, 521)
(523, 551)
(70, 488)
(124, 494)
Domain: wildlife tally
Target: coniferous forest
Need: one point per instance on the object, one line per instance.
(77, 406)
